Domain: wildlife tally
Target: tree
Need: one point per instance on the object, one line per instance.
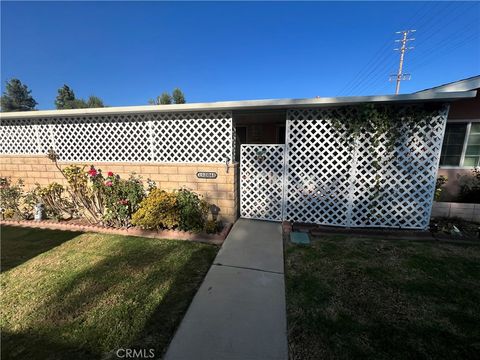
(95, 102)
(16, 97)
(164, 99)
(65, 98)
(178, 96)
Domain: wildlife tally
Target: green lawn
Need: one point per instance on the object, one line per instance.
(82, 296)
(372, 299)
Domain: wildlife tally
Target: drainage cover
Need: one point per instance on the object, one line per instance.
(297, 237)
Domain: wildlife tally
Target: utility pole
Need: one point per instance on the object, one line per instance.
(400, 76)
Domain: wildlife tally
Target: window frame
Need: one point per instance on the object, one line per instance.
(469, 123)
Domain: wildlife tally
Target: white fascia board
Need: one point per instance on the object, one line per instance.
(248, 105)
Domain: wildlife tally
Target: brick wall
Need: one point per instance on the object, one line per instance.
(220, 191)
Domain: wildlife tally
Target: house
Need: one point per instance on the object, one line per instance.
(461, 143)
(265, 159)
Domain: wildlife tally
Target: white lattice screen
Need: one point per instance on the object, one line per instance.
(261, 181)
(333, 183)
(189, 137)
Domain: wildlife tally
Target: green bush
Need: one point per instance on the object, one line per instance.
(193, 211)
(122, 198)
(470, 187)
(158, 210)
(212, 226)
(182, 209)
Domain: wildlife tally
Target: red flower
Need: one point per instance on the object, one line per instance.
(108, 183)
(92, 172)
(110, 173)
(123, 202)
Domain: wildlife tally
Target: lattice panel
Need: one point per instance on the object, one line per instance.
(318, 172)
(18, 136)
(123, 138)
(193, 137)
(261, 181)
(332, 183)
(407, 179)
(158, 137)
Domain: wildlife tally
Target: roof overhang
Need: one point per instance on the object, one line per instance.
(250, 105)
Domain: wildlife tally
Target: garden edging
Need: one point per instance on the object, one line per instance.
(216, 239)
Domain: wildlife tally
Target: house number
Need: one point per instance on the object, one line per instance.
(206, 175)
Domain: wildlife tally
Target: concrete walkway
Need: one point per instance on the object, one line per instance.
(239, 311)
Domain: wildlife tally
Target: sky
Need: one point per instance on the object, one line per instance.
(129, 52)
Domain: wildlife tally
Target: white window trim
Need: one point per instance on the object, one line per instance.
(465, 142)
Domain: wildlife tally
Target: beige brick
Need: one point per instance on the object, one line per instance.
(58, 175)
(221, 179)
(225, 203)
(189, 185)
(39, 167)
(225, 187)
(42, 181)
(116, 169)
(168, 169)
(11, 167)
(220, 195)
(5, 160)
(207, 186)
(187, 170)
(177, 178)
(17, 160)
(193, 178)
(148, 169)
(131, 169)
(158, 177)
(169, 185)
(30, 161)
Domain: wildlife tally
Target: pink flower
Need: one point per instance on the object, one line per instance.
(108, 183)
(110, 173)
(123, 202)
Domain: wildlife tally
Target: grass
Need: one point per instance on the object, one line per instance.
(360, 298)
(94, 293)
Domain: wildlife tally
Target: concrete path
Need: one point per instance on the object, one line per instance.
(239, 311)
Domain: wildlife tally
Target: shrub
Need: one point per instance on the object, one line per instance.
(158, 210)
(441, 181)
(193, 211)
(57, 206)
(109, 200)
(86, 191)
(13, 202)
(122, 199)
(470, 187)
(212, 226)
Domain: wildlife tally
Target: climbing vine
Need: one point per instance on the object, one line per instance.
(386, 127)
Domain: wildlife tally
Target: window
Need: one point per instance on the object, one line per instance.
(472, 151)
(461, 145)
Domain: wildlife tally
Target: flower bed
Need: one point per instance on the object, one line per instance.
(92, 199)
